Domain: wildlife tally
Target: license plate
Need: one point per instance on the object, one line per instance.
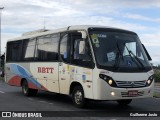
(133, 93)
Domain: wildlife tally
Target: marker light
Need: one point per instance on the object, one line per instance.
(110, 82)
(105, 78)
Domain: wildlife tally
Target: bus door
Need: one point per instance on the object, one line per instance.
(64, 64)
(81, 68)
(77, 63)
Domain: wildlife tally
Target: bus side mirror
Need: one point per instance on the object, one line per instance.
(82, 47)
(148, 56)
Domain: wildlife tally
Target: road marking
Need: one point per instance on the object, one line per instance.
(50, 103)
(30, 98)
(2, 92)
(45, 102)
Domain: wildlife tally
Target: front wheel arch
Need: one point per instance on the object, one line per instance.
(73, 85)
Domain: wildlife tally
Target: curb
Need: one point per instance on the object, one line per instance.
(156, 92)
(157, 84)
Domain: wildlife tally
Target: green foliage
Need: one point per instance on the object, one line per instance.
(156, 94)
(156, 75)
(1, 78)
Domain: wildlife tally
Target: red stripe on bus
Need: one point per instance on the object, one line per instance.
(32, 86)
(16, 80)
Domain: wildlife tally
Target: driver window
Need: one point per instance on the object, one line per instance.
(79, 49)
(81, 54)
(76, 49)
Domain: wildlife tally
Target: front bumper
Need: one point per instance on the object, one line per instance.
(106, 92)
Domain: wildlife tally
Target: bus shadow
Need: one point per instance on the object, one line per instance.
(91, 105)
(54, 97)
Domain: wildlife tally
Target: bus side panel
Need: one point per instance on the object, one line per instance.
(10, 77)
(70, 73)
(84, 77)
(46, 74)
(64, 78)
(15, 72)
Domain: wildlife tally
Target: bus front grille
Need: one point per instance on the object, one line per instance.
(131, 84)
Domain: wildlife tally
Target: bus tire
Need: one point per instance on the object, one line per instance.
(28, 91)
(124, 102)
(78, 97)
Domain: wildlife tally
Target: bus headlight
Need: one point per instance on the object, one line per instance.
(108, 79)
(110, 82)
(149, 81)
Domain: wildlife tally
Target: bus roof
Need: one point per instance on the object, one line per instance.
(42, 32)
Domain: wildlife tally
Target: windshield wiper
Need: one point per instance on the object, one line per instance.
(117, 61)
(137, 59)
(118, 54)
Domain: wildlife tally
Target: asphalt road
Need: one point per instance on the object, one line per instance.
(12, 99)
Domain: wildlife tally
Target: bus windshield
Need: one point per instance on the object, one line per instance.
(118, 50)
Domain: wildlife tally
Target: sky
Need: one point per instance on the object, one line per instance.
(140, 16)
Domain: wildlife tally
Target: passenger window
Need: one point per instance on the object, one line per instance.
(12, 48)
(47, 48)
(28, 49)
(65, 48)
(81, 50)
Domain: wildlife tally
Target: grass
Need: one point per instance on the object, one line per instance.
(156, 94)
(1, 79)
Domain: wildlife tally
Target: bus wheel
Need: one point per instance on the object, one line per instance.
(124, 102)
(78, 97)
(27, 91)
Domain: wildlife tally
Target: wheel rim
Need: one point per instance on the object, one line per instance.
(25, 88)
(78, 97)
